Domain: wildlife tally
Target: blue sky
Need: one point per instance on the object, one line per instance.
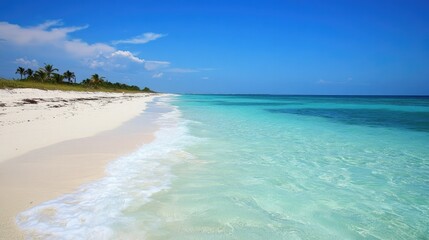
(275, 47)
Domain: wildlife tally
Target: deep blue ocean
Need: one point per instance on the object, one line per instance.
(261, 167)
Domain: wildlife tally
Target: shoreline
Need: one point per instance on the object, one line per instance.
(38, 174)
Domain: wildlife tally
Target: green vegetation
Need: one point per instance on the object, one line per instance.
(47, 78)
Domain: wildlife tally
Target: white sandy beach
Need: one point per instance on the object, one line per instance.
(50, 143)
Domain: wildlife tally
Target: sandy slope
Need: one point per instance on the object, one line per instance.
(52, 141)
(31, 118)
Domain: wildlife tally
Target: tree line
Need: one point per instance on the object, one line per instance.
(46, 74)
(50, 74)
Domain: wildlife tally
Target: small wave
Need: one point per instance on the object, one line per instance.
(96, 208)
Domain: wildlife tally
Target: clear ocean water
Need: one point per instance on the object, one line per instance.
(260, 167)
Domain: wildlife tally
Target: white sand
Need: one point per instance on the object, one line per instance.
(51, 147)
(58, 116)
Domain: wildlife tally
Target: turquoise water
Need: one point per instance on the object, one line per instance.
(263, 167)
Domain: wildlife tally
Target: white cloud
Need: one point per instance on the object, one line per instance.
(335, 82)
(41, 34)
(49, 23)
(141, 39)
(80, 49)
(182, 70)
(322, 81)
(188, 70)
(128, 55)
(45, 34)
(157, 75)
(148, 65)
(54, 35)
(153, 65)
(93, 63)
(26, 62)
(205, 78)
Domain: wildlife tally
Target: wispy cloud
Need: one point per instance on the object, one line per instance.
(27, 63)
(188, 70)
(41, 34)
(46, 35)
(154, 65)
(182, 70)
(141, 39)
(157, 75)
(53, 34)
(95, 63)
(322, 81)
(328, 82)
(81, 49)
(148, 64)
(49, 23)
(128, 55)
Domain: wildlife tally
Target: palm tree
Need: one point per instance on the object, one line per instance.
(20, 71)
(40, 75)
(29, 72)
(96, 79)
(58, 78)
(49, 69)
(70, 76)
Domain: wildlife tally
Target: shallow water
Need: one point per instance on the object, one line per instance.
(252, 167)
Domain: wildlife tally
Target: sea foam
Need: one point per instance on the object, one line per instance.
(97, 208)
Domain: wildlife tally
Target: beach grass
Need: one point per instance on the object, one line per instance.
(6, 83)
